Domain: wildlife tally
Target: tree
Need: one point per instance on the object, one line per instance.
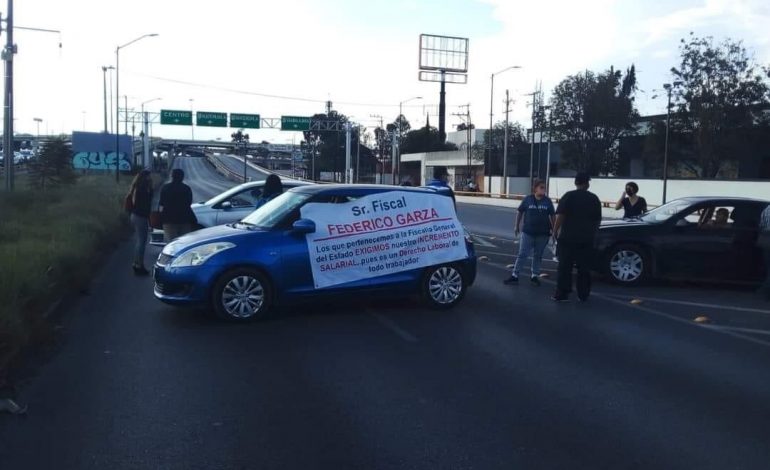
(329, 145)
(53, 166)
(464, 127)
(719, 95)
(590, 113)
(425, 139)
(516, 141)
(404, 122)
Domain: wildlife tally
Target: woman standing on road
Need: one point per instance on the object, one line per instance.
(140, 196)
(536, 212)
(632, 205)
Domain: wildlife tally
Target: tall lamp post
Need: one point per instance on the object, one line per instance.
(396, 164)
(488, 163)
(192, 117)
(145, 133)
(104, 78)
(669, 88)
(117, 100)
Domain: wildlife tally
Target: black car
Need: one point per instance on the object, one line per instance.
(694, 238)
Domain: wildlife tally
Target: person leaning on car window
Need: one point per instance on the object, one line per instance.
(176, 214)
(273, 187)
(632, 204)
(141, 205)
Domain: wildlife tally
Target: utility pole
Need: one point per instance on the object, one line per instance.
(466, 117)
(548, 158)
(348, 163)
(380, 143)
(505, 143)
(8, 52)
(104, 79)
(535, 100)
(669, 88)
(125, 112)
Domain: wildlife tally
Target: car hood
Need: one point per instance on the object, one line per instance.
(218, 233)
(609, 224)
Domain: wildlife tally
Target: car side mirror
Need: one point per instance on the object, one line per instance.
(227, 205)
(303, 226)
(682, 223)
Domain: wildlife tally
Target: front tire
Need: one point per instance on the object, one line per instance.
(242, 295)
(628, 265)
(443, 286)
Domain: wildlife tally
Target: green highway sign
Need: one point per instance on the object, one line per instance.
(295, 123)
(175, 118)
(211, 119)
(248, 121)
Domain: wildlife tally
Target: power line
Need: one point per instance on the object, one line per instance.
(262, 95)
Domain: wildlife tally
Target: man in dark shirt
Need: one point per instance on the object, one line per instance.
(175, 211)
(577, 218)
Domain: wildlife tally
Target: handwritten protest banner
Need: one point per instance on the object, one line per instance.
(382, 234)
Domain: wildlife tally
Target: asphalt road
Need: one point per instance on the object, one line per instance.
(506, 380)
(235, 164)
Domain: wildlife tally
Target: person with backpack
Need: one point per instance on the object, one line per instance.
(138, 203)
(536, 215)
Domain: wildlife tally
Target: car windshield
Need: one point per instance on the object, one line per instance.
(666, 211)
(269, 215)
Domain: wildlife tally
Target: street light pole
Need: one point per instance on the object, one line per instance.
(104, 78)
(117, 101)
(669, 88)
(396, 164)
(145, 134)
(192, 125)
(8, 52)
(488, 164)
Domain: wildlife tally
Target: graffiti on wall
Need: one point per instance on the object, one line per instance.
(100, 161)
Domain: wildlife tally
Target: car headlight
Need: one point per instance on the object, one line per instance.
(200, 254)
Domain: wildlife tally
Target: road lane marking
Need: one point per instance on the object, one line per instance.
(481, 242)
(659, 313)
(739, 329)
(393, 326)
(694, 304)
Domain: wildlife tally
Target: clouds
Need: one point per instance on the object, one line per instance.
(347, 51)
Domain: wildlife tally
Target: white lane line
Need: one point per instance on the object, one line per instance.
(692, 304)
(481, 242)
(738, 329)
(658, 313)
(393, 326)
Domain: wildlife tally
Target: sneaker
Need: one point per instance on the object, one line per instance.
(559, 298)
(535, 280)
(511, 280)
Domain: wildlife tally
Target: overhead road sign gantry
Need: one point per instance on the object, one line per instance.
(246, 121)
(173, 117)
(211, 119)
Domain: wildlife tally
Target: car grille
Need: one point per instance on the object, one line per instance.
(164, 259)
(174, 289)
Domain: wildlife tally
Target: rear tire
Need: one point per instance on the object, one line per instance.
(242, 295)
(627, 265)
(443, 286)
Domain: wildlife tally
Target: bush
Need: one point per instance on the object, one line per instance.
(53, 167)
(48, 240)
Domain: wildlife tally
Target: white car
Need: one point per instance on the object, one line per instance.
(227, 207)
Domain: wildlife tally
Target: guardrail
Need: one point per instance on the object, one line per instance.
(519, 197)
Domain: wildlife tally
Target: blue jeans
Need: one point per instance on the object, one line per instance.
(534, 244)
(141, 229)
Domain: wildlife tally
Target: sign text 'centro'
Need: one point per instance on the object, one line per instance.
(175, 118)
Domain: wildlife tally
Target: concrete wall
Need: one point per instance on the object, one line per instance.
(516, 185)
(610, 189)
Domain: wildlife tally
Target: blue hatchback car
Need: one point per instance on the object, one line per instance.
(241, 270)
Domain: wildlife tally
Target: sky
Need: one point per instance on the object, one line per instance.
(288, 57)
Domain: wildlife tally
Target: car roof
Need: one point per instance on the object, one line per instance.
(351, 189)
(722, 199)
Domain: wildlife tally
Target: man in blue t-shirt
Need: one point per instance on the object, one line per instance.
(536, 213)
(440, 182)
